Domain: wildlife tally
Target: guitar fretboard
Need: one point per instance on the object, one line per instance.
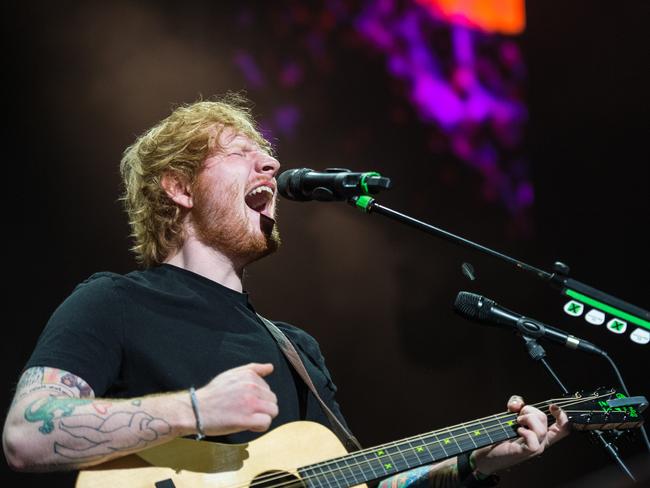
(395, 457)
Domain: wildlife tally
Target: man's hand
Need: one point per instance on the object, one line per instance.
(238, 399)
(535, 437)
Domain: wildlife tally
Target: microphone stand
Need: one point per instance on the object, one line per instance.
(568, 286)
(573, 288)
(538, 353)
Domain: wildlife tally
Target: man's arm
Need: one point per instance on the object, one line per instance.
(56, 423)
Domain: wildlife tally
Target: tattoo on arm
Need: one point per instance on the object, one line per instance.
(80, 433)
(90, 435)
(414, 478)
(423, 477)
(51, 379)
(30, 378)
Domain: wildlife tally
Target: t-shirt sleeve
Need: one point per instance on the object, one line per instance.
(85, 334)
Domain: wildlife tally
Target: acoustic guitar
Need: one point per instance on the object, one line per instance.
(307, 454)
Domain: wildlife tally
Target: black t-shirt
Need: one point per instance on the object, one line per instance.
(166, 329)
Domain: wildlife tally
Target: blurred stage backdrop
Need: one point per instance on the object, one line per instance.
(521, 126)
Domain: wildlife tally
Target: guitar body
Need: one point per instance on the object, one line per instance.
(199, 464)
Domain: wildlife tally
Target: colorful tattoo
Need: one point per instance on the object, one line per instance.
(81, 436)
(415, 478)
(47, 409)
(52, 379)
(423, 477)
(73, 381)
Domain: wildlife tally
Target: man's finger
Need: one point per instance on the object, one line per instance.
(531, 441)
(561, 427)
(260, 422)
(262, 369)
(515, 403)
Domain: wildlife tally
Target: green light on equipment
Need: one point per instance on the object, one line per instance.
(364, 185)
(607, 308)
(363, 202)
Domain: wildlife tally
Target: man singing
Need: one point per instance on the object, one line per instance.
(131, 361)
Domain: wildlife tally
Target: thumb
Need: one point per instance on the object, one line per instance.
(262, 369)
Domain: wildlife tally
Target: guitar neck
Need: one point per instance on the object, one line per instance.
(395, 457)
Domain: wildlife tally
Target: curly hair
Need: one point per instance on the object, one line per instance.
(178, 144)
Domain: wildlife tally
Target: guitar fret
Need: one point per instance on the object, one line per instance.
(401, 453)
(439, 443)
(350, 476)
(482, 435)
(386, 461)
(418, 450)
(463, 439)
(469, 435)
(319, 476)
(429, 445)
(310, 480)
(510, 422)
(367, 462)
(451, 440)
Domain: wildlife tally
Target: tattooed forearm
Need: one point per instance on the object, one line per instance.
(57, 423)
(82, 435)
(121, 431)
(45, 409)
(415, 478)
(443, 475)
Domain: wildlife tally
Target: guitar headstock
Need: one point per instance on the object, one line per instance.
(604, 410)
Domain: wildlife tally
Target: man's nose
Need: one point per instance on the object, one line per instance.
(266, 164)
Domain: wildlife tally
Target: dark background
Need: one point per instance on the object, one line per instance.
(87, 78)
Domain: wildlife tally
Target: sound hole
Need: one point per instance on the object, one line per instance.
(276, 479)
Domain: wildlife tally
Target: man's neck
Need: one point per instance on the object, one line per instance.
(209, 263)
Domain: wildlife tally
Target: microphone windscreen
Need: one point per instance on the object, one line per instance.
(466, 304)
(283, 182)
(473, 306)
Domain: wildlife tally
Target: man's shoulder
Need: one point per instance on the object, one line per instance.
(301, 338)
(111, 279)
(100, 280)
(294, 332)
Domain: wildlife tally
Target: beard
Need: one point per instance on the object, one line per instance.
(222, 222)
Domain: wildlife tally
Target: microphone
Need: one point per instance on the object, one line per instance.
(304, 184)
(481, 309)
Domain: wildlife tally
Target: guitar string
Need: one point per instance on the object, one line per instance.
(562, 402)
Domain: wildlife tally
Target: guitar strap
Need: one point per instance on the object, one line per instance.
(287, 348)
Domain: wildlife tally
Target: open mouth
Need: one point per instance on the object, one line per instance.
(259, 199)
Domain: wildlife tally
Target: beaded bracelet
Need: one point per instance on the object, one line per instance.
(195, 406)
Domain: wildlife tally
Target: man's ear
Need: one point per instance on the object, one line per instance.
(178, 189)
